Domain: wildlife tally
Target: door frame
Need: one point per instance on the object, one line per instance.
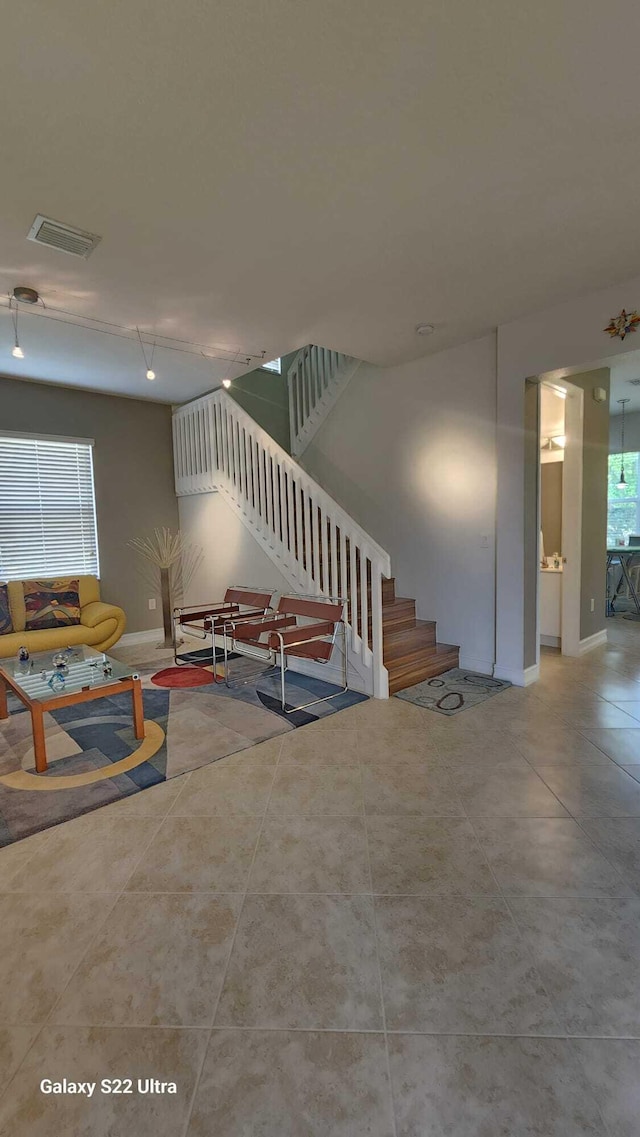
(572, 520)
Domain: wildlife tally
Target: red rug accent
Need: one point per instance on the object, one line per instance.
(182, 677)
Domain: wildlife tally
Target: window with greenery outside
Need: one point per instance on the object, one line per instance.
(623, 513)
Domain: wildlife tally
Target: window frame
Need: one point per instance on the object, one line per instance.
(618, 458)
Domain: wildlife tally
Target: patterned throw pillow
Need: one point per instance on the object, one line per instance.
(51, 603)
(6, 623)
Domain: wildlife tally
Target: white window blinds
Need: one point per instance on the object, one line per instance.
(47, 508)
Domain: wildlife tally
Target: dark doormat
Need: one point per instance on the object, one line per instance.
(453, 691)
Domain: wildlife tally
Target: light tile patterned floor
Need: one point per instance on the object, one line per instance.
(388, 923)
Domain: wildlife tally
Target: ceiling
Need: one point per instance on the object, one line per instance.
(264, 175)
(624, 368)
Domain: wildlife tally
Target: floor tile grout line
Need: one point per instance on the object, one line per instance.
(623, 878)
(231, 947)
(527, 947)
(314, 1029)
(118, 896)
(486, 858)
(47, 1020)
(426, 896)
(380, 983)
(223, 977)
(196, 1085)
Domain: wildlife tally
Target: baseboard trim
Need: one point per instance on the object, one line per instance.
(550, 641)
(520, 677)
(471, 663)
(141, 637)
(596, 640)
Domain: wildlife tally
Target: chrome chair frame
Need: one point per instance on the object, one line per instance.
(275, 656)
(214, 618)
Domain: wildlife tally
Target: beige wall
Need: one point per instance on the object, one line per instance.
(231, 553)
(551, 506)
(133, 472)
(409, 452)
(594, 500)
(530, 534)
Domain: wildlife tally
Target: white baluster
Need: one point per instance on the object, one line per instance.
(353, 592)
(316, 545)
(364, 601)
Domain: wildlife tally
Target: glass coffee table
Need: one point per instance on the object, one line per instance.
(41, 687)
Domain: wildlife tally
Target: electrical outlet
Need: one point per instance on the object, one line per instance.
(152, 604)
(593, 605)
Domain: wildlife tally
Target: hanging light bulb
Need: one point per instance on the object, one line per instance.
(17, 351)
(150, 373)
(226, 383)
(622, 484)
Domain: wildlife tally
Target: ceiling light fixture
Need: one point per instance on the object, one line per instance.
(226, 383)
(17, 351)
(622, 484)
(25, 295)
(425, 329)
(147, 362)
(560, 440)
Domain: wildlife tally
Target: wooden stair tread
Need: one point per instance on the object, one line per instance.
(442, 658)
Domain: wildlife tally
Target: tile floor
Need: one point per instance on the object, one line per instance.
(390, 923)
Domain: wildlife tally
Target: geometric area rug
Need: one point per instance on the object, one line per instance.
(453, 691)
(94, 758)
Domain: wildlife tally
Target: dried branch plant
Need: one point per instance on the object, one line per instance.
(169, 551)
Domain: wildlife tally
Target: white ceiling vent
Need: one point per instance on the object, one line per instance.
(64, 237)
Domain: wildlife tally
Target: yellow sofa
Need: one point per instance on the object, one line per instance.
(101, 625)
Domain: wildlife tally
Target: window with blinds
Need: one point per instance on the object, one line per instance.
(47, 507)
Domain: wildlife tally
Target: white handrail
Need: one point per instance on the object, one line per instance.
(318, 547)
(315, 379)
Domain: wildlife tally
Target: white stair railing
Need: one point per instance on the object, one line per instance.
(316, 545)
(316, 379)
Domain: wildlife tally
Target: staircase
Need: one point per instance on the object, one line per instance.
(410, 651)
(316, 379)
(317, 547)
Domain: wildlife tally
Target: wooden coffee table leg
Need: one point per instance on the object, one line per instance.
(4, 712)
(37, 723)
(138, 709)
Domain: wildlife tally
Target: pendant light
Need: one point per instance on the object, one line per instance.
(622, 484)
(150, 373)
(17, 351)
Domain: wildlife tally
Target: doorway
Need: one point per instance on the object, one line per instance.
(559, 464)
